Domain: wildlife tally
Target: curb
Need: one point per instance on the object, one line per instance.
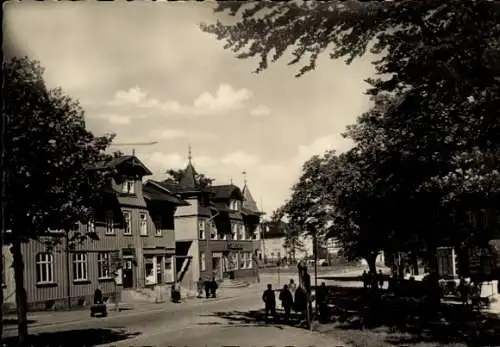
(133, 311)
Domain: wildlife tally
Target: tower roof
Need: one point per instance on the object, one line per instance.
(188, 180)
(248, 200)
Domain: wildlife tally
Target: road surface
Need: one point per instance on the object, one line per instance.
(233, 321)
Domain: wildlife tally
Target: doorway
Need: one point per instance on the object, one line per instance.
(217, 265)
(128, 274)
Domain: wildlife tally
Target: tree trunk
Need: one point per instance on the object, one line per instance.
(3, 271)
(21, 300)
(371, 259)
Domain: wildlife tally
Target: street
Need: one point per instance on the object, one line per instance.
(233, 321)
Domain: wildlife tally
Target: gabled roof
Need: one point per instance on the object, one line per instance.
(123, 161)
(155, 192)
(226, 192)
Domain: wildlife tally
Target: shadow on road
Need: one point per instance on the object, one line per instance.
(253, 318)
(408, 319)
(13, 321)
(74, 338)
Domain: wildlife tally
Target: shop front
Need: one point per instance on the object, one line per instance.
(158, 269)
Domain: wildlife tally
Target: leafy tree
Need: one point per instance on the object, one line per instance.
(202, 180)
(434, 130)
(51, 161)
(293, 241)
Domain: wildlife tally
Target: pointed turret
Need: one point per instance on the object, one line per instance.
(188, 180)
(249, 202)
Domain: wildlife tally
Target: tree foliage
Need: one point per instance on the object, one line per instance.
(427, 152)
(202, 180)
(50, 163)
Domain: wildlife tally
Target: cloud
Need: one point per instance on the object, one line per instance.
(170, 134)
(320, 145)
(116, 119)
(260, 110)
(226, 98)
(240, 159)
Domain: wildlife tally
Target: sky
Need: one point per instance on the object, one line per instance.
(146, 72)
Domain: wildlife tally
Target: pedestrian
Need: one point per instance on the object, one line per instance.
(207, 288)
(300, 301)
(365, 279)
(321, 301)
(292, 287)
(286, 299)
(200, 287)
(175, 293)
(380, 279)
(464, 289)
(373, 281)
(213, 287)
(269, 299)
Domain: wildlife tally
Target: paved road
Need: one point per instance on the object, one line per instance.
(228, 322)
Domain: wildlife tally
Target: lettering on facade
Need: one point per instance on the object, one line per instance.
(234, 246)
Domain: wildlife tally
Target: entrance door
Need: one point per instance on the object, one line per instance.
(128, 274)
(217, 268)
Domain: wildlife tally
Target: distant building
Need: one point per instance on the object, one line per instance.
(132, 228)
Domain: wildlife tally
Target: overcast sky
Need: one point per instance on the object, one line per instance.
(146, 72)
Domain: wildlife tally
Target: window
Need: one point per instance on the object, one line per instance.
(256, 233)
(44, 268)
(128, 187)
(241, 232)
(249, 260)
(235, 232)
(103, 265)
(213, 230)
(90, 226)
(127, 223)
(233, 205)
(235, 261)
(80, 270)
(243, 260)
(143, 224)
(203, 264)
(201, 228)
(109, 223)
(158, 225)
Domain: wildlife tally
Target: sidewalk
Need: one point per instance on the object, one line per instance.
(46, 318)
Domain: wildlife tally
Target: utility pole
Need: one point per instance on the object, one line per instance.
(68, 276)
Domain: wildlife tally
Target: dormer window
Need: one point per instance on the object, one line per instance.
(128, 187)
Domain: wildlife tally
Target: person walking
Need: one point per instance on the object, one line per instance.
(292, 287)
(207, 288)
(200, 287)
(365, 279)
(286, 299)
(269, 299)
(213, 287)
(321, 301)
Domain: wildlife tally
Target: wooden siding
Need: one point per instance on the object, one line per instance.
(163, 245)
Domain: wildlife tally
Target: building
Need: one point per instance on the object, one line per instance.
(217, 233)
(132, 230)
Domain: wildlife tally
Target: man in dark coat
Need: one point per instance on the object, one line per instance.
(213, 287)
(286, 299)
(207, 288)
(321, 301)
(269, 299)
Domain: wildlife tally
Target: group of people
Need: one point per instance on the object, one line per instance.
(210, 287)
(469, 292)
(372, 280)
(293, 297)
